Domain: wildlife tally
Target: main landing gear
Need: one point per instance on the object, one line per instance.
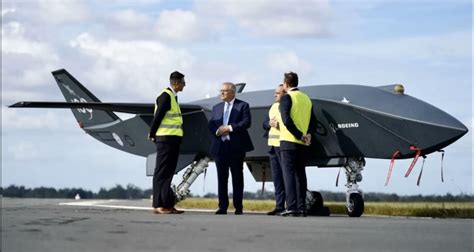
(194, 170)
(354, 195)
(315, 204)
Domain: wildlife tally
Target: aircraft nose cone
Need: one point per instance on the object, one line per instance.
(437, 131)
(454, 133)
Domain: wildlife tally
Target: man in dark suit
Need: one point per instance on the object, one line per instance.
(298, 123)
(229, 122)
(166, 132)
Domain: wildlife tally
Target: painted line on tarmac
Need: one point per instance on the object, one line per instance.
(100, 203)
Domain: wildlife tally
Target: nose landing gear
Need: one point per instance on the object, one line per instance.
(354, 195)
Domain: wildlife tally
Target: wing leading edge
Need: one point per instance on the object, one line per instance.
(132, 108)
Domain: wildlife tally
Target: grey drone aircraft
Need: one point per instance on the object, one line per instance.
(354, 122)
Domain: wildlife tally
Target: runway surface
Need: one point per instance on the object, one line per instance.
(121, 225)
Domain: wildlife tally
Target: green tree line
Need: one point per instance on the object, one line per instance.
(117, 192)
(134, 192)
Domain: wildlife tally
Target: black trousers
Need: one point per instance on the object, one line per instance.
(234, 161)
(277, 174)
(166, 160)
(294, 176)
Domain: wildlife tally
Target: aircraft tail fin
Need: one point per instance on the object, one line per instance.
(75, 92)
(240, 87)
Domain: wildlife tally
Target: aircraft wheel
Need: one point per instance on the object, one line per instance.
(314, 203)
(355, 208)
(314, 199)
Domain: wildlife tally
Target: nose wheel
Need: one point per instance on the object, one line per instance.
(355, 206)
(354, 195)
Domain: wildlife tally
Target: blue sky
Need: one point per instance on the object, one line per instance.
(124, 50)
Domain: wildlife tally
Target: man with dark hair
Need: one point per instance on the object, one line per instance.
(176, 77)
(166, 132)
(228, 125)
(291, 79)
(298, 123)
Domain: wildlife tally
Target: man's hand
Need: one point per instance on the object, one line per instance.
(274, 123)
(223, 130)
(307, 139)
(151, 138)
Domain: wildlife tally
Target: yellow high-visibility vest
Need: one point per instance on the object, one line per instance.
(172, 123)
(300, 113)
(274, 133)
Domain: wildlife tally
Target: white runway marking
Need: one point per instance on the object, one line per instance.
(102, 203)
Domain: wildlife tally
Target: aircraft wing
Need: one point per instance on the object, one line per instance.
(132, 108)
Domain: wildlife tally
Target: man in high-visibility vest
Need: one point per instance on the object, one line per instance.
(298, 123)
(166, 132)
(273, 128)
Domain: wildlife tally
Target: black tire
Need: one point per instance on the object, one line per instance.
(314, 202)
(356, 207)
(318, 199)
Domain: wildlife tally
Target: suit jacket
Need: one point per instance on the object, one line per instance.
(240, 120)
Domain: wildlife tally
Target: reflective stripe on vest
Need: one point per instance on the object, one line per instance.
(300, 113)
(274, 133)
(172, 123)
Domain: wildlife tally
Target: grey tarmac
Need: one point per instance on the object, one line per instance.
(128, 225)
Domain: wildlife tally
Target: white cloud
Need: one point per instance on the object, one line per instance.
(288, 61)
(178, 25)
(124, 24)
(11, 96)
(438, 49)
(280, 18)
(62, 11)
(132, 66)
(15, 41)
(30, 60)
(137, 53)
(131, 19)
(128, 3)
(6, 11)
(34, 75)
(27, 120)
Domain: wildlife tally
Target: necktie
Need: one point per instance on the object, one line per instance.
(226, 120)
(226, 114)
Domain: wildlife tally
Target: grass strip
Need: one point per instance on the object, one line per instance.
(416, 209)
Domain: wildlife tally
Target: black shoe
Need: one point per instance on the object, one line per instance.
(293, 213)
(238, 212)
(287, 213)
(221, 211)
(275, 211)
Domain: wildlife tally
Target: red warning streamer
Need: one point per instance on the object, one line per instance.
(392, 162)
(417, 155)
